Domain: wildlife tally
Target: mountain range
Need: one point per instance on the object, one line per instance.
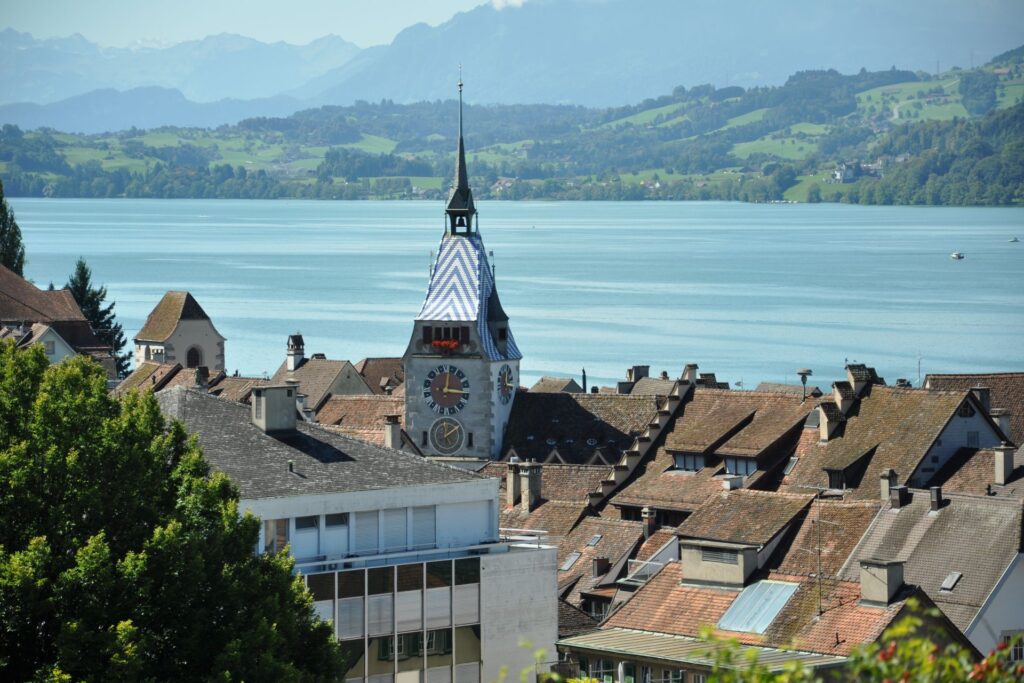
(586, 52)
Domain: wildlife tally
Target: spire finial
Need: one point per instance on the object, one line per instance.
(460, 203)
(460, 100)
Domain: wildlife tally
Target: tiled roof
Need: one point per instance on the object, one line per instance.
(558, 482)
(1007, 392)
(315, 377)
(162, 320)
(361, 416)
(652, 386)
(658, 484)
(21, 301)
(971, 470)
(572, 621)
(615, 539)
(555, 384)
(236, 388)
(557, 517)
(832, 540)
(381, 372)
(744, 516)
(977, 536)
(655, 543)
(148, 376)
(574, 424)
(324, 462)
(895, 427)
(797, 389)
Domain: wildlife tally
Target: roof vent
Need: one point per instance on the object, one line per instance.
(950, 582)
(936, 498)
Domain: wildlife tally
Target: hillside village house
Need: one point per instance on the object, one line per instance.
(29, 315)
(402, 553)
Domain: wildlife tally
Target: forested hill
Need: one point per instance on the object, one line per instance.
(872, 137)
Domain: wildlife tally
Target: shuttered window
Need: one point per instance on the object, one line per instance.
(366, 532)
(423, 530)
(394, 529)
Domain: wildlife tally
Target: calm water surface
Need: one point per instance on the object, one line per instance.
(750, 292)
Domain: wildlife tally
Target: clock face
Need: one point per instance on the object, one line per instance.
(446, 389)
(446, 435)
(506, 384)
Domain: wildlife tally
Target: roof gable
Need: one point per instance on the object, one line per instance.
(21, 301)
(164, 318)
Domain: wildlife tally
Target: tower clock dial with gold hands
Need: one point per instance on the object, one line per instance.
(506, 384)
(446, 389)
(446, 435)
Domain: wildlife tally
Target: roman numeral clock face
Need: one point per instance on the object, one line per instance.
(446, 390)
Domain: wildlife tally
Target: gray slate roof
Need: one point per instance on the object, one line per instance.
(977, 536)
(325, 462)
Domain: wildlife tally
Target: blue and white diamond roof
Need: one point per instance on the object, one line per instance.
(461, 283)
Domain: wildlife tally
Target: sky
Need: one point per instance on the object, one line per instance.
(122, 23)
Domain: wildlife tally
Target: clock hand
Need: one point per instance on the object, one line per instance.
(452, 391)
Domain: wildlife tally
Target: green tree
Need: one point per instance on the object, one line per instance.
(122, 557)
(12, 251)
(101, 317)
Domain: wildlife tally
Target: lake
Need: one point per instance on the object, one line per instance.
(750, 292)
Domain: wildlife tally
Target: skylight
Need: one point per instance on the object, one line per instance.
(594, 540)
(569, 562)
(950, 581)
(756, 607)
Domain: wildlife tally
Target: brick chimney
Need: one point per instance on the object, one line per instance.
(296, 352)
(650, 525)
(529, 485)
(880, 581)
(273, 408)
(512, 489)
(392, 432)
(1004, 463)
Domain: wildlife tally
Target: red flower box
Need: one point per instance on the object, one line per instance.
(445, 344)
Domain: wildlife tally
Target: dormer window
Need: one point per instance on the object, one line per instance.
(689, 462)
(836, 479)
(741, 466)
(502, 334)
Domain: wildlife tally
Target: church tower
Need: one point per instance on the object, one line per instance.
(462, 363)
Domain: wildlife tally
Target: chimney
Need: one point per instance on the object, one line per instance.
(732, 481)
(296, 352)
(984, 397)
(599, 566)
(936, 497)
(1004, 463)
(690, 373)
(637, 373)
(584, 380)
(898, 497)
(392, 432)
(529, 485)
(512, 489)
(887, 480)
(880, 580)
(829, 417)
(273, 408)
(650, 525)
(202, 376)
(664, 374)
(1001, 416)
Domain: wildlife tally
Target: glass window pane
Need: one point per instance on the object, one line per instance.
(395, 534)
(380, 580)
(438, 607)
(438, 648)
(380, 660)
(351, 584)
(467, 571)
(439, 675)
(310, 522)
(321, 586)
(409, 611)
(379, 614)
(366, 532)
(423, 527)
(352, 655)
(410, 577)
(336, 519)
(467, 644)
(466, 604)
(439, 574)
(467, 673)
(410, 651)
(350, 618)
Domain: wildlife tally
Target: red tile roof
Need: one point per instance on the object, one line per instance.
(615, 539)
(832, 540)
(380, 373)
(655, 543)
(361, 416)
(21, 301)
(971, 470)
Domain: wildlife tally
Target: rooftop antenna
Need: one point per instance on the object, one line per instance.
(818, 521)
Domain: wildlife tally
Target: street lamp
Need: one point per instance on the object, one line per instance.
(804, 374)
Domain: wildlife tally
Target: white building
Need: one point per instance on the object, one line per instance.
(401, 553)
(179, 331)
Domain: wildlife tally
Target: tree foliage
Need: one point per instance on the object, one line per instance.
(92, 301)
(12, 251)
(121, 556)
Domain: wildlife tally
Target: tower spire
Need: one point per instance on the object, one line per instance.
(460, 203)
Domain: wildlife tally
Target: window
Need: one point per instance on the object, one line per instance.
(569, 562)
(699, 678)
(741, 466)
(972, 439)
(597, 608)
(423, 439)
(428, 334)
(275, 535)
(965, 410)
(1015, 641)
(469, 440)
(836, 480)
(336, 519)
(502, 334)
(689, 462)
(194, 357)
(677, 676)
(311, 522)
(259, 406)
(50, 348)
(790, 465)
(594, 540)
(464, 334)
(720, 556)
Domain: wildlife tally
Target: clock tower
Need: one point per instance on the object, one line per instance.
(462, 363)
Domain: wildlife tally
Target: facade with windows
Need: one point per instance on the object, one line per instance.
(401, 554)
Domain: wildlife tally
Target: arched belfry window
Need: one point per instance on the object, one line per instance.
(194, 357)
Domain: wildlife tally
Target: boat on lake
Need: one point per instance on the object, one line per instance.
(1013, 239)
(956, 256)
